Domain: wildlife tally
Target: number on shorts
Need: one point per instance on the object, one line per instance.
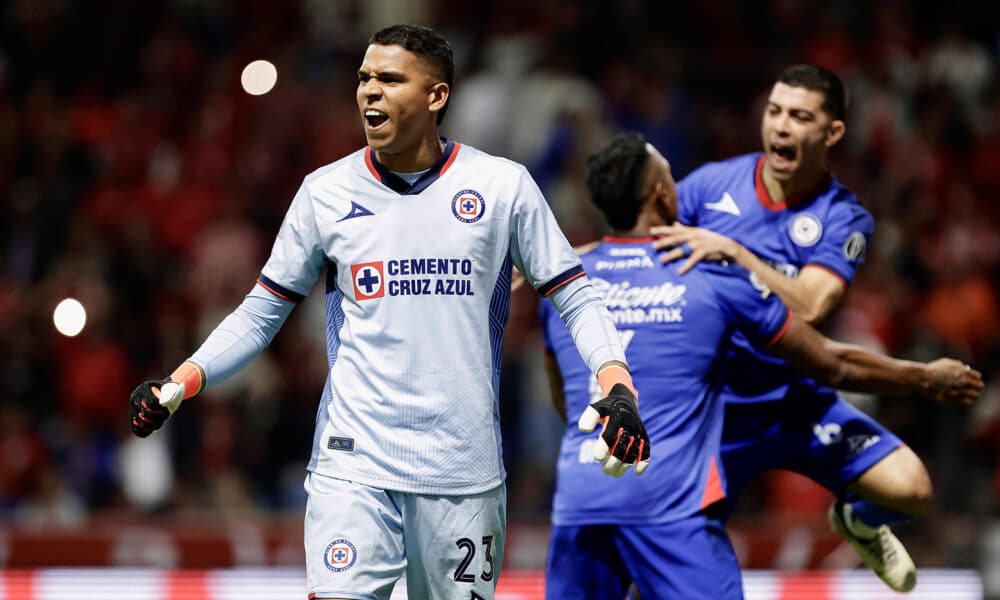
(470, 552)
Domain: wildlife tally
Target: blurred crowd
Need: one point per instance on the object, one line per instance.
(137, 176)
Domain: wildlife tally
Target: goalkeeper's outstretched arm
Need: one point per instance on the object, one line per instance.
(232, 345)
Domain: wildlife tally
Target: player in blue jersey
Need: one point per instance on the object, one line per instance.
(417, 235)
(671, 540)
(783, 216)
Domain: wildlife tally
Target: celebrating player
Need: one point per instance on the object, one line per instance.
(418, 235)
(780, 214)
(664, 531)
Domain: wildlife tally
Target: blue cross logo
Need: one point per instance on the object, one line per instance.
(468, 206)
(339, 555)
(368, 280)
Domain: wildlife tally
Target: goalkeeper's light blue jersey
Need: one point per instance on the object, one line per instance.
(828, 228)
(417, 296)
(672, 327)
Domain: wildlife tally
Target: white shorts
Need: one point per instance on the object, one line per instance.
(356, 548)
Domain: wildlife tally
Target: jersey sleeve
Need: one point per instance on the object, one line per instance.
(751, 308)
(845, 241)
(537, 246)
(297, 257)
(690, 192)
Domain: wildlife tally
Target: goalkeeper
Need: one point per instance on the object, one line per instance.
(406, 473)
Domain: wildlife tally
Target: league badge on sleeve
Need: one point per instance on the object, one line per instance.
(369, 279)
(468, 206)
(805, 230)
(855, 246)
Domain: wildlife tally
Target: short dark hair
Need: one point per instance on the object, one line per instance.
(614, 178)
(427, 44)
(824, 81)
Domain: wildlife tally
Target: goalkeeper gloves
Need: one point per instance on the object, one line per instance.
(623, 440)
(152, 403)
(146, 412)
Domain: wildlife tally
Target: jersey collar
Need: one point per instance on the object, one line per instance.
(765, 198)
(398, 185)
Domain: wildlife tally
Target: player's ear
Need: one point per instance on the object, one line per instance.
(835, 132)
(438, 96)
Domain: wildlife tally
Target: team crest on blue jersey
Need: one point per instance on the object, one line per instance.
(468, 206)
(340, 555)
(369, 280)
(805, 230)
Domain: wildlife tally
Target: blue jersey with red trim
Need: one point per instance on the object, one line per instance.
(672, 327)
(830, 229)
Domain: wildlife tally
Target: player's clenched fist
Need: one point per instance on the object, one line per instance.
(623, 440)
(152, 403)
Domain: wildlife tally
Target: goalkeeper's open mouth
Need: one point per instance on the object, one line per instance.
(375, 119)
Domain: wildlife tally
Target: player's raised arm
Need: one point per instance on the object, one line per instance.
(850, 367)
(293, 267)
(231, 346)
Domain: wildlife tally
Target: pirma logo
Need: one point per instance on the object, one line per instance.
(340, 555)
(368, 280)
(468, 206)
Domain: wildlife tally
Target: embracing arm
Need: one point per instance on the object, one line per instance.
(854, 368)
(812, 295)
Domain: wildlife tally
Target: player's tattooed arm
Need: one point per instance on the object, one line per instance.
(812, 295)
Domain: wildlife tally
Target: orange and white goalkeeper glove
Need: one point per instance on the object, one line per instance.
(623, 440)
(154, 401)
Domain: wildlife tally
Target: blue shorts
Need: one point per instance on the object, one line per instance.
(818, 435)
(691, 559)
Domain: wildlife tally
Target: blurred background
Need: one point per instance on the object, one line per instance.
(138, 176)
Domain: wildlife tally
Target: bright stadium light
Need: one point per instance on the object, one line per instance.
(69, 317)
(259, 77)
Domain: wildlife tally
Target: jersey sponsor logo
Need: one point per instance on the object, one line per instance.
(624, 295)
(468, 206)
(628, 252)
(855, 246)
(630, 305)
(783, 268)
(725, 204)
(828, 434)
(624, 264)
(369, 279)
(339, 443)
(356, 211)
(409, 277)
(805, 230)
(340, 555)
